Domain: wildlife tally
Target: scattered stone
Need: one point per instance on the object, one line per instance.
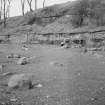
(79, 74)
(103, 48)
(12, 55)
(32, 58)
(62, 43)
(2, 103)
(47, 96)
(65, 46)
(2, 66)
(102, 88)
(85, 50)
(103, 62)
(98, 55)
(54, 63)
(39, 86)
(92, 99)
(21, 81)
(22, 61)
(55, 77)
(24, 47)
(17, 56)
(13, 99)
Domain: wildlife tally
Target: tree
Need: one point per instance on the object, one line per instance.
(43, 3)
(1, 4)
(97, 12)
(80, 12)
(4, 12)
(22, 5)
(8, 8)
(29, 3)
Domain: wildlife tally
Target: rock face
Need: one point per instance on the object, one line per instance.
(21, 81)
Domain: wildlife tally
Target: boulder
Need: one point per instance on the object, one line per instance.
(22, 61)
(20, 81)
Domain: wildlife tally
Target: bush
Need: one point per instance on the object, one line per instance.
(79, 12)
(92, 9)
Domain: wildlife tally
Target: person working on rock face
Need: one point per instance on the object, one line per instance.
(62, 43)
(66, 43)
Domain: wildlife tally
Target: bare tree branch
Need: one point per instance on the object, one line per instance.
(29, 3)
(8, 8)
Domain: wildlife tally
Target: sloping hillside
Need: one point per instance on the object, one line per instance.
(37, 20)
(56, 18)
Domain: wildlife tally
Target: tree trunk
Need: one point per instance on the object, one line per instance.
(22, 4)
(8, 8)
(1, 9)
(30, 7)
(4, 13)
(43, 3)
(23, 10)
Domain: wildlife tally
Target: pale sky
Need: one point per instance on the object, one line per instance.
(15, 9)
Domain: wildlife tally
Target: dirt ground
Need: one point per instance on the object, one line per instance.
(67, 76)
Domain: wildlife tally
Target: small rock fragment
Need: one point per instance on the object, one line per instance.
(47, 96)
(13, 99)
(24, 47)
(54, 63)
(39, 86)
(17, 56)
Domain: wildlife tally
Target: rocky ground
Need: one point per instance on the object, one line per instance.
(65, 76)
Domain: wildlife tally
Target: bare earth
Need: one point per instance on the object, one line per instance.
(67, 76)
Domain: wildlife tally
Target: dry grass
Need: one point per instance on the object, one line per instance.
(73, 77)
